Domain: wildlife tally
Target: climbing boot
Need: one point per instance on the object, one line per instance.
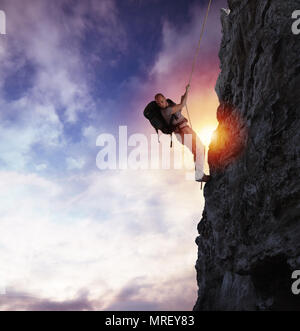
(204, 179)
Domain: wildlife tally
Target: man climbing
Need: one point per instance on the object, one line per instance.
(172, 115)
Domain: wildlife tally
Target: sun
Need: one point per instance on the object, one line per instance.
(206, 134)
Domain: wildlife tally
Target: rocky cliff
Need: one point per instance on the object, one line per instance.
(249, 236)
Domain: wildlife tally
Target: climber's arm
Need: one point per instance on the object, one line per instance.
(182, 104)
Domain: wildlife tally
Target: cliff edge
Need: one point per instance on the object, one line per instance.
(249, 235)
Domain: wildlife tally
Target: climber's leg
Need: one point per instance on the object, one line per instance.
(197, 148)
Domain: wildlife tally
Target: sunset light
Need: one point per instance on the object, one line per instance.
(206, 134)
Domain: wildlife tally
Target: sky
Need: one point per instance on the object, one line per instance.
(72, 236)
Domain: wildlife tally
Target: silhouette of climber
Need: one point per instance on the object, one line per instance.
(172, 114)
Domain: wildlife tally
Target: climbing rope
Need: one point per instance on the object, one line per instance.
(197, 53)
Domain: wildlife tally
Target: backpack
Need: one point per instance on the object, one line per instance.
(153, 113)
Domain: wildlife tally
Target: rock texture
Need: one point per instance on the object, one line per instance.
(249, 236)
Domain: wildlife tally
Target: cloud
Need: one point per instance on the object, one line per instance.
(63, 237)
(16, 301)
(139, 294)
(36, 123)
(174, 294)
(180, 43)
(171, 70)
(75, 163)
(121, 234)
(47, 58)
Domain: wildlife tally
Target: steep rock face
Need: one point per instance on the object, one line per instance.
(249, 236)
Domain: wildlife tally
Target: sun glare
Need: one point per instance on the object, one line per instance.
(205, 134)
